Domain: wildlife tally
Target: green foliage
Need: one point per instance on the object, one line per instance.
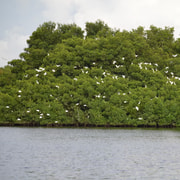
(105, 78)
(97, 29)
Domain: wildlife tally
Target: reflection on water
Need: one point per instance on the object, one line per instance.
(82, 154)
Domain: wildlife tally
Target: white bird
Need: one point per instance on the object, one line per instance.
(137, 108)
(98, 96)
(42, 69)
(171, 82)
(38, 70)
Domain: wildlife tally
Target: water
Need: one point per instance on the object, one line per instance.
(85, 154)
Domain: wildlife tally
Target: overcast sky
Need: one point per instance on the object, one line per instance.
(19, 18)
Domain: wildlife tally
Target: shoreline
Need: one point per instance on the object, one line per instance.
(85, 126)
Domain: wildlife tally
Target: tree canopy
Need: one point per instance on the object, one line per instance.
(93, 77)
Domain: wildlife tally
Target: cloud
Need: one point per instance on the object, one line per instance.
(119, 14)
(12, 45)
(59, 10)
(123, 14)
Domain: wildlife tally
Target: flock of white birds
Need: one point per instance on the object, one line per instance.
(86, 70)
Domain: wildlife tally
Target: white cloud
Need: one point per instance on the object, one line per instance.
(59, 10)
(120, 14)
(3, 52)
(12, 45)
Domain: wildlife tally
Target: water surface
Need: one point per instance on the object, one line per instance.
(84, 154)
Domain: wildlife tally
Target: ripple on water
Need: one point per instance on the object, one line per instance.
(45, 153)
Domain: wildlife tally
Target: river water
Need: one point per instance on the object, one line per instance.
(89, 154)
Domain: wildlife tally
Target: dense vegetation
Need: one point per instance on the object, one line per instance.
(96, 77)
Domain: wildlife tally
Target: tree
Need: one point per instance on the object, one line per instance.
(108, 78)
(99, 28)
(45, 38)
(161, 38)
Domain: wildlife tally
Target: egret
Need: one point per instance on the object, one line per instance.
(137, 108)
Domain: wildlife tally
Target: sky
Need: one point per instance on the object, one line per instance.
(19, 18)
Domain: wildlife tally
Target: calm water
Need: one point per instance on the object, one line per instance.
(84, 154)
